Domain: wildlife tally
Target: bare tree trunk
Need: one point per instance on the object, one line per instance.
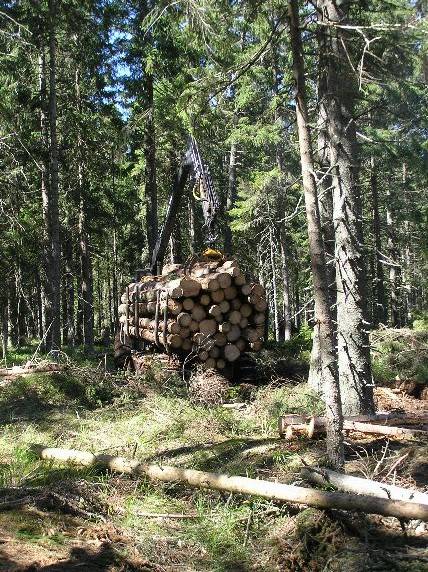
(353, 343)
(39, 305)
(318, 264)
(115, 289)
(13, 312)
(55, 243)
(394, 268)
(79, 310)
(86, 274)
(46, 282)
(150, 168)
(194, 229)
(325, 204)
(274, 288)
(4, 325)
(69, 331)
(380, 313)
(286, 292)
(231, 196)
(86, 278)
(407, 264)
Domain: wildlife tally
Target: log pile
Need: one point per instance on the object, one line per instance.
(207, 311)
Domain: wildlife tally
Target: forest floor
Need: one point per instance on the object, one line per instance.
(60, 518)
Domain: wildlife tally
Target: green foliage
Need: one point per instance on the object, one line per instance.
(401, 355)
(421, 323)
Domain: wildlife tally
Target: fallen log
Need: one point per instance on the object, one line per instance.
(358, 485)
(291, 425)
(28, 369)
(241, 485)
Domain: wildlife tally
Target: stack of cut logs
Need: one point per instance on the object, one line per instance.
(207, 310)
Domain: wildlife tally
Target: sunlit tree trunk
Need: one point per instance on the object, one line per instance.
(324, 323)
(352, 336)
(325, 204)
(286, 291)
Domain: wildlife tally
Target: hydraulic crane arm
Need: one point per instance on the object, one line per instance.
(191, 166)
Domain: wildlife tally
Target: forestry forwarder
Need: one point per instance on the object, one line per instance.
(203, 310)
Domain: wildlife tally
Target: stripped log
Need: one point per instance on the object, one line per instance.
(237, 484)
(204, 297)
(231, 352)
(291, 425)
(358, 485)
(173, 327)
(174, 340)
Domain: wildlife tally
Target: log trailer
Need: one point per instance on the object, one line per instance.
(204, 311)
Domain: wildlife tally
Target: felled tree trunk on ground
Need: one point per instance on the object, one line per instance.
(331, 389)
(237, 484)
(360, 486)
(352, 336)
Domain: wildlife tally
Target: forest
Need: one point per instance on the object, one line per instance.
(213, 285)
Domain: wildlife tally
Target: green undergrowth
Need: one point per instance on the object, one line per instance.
(286, 360)
(78, 356)
(400, 354)
(150, 418)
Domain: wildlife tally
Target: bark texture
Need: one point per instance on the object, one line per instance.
(318, 264)
(237, 484)
(352, 342)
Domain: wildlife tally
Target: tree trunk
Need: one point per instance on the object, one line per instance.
(275, 305)
(380, 313)
(286, 292)
(46, 281)
(86, 274)
(194, 229)
(115, 289)
(394, 268)
(237, 484)
(231, 196)
(4, 325)
(325, 203)
(55, 244)
(353, 343)
(68, 330)
(318, 263)
(150, 188)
